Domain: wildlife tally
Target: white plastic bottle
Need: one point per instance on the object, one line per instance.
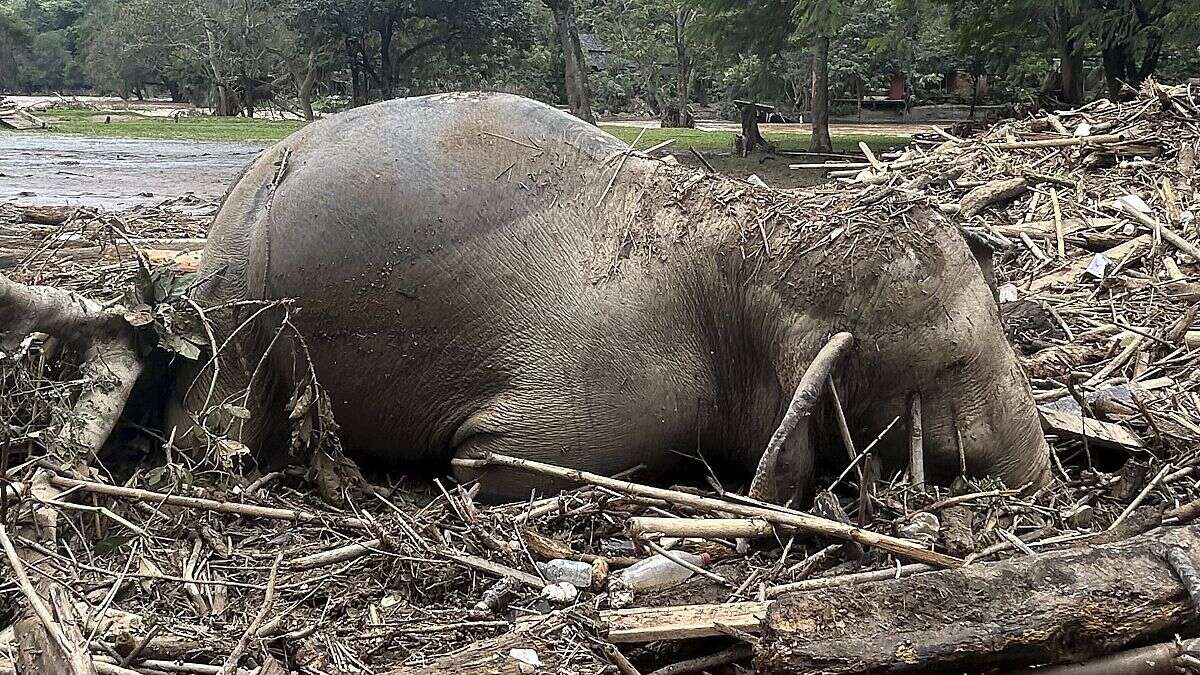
(658, 572)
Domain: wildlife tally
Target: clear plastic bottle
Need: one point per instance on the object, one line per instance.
(658, 572)
(574, 572)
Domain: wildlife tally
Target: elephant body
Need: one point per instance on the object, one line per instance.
(481, 272)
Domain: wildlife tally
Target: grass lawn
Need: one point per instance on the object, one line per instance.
(132, 125)
(722, 141)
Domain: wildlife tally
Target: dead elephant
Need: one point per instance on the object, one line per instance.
(477, 273)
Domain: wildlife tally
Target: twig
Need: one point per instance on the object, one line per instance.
(776, 514)
(247, 510)
(683, 563)
(231, 663)
(1141, 496)
(701, 663)
(620, 165)
(620, 660)
(76, 655)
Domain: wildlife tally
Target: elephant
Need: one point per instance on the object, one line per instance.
(475, 273)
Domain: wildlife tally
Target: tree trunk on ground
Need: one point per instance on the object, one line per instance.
(578, 95)
(1055, 607)
(820, 96)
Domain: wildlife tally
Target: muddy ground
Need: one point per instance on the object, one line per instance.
(113, 173)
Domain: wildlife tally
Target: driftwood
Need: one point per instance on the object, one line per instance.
(1054, 607)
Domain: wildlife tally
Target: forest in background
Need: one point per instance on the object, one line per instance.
(644, 57)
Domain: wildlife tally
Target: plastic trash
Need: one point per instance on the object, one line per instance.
(924, 528)
(1098, 266)
(658, 572)
(560, 593)
(574, 572)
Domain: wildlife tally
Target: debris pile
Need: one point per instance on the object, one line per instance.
(146, 561)
(13, 116)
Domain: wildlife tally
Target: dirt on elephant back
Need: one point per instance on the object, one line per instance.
(155, 562)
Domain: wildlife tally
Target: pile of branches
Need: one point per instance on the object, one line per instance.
(141, 560)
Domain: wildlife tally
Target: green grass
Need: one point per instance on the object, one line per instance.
(131, 125)
(126, 124)
(722, 141)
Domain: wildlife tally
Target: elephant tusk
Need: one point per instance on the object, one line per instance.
(801, 406)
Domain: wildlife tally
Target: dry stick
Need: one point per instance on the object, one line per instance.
(804, 522)
(866, 151)
(647, 527)
(1140, 498)
(620, 660)
(703, 161)
(1058, 223)
(1167, 233)
(843, 427)
(141, 646)
(1117, 361)
(235, 656)
(35, 601)
(848, 579)
(624, 156)
(1060, 142)
(801, 406)
(248, 510)
(701, 663)
(336, 555)
(916, 442)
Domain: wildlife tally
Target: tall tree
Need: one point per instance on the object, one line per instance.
(654, 36)
(764, 27)
(1131, 35)
(579, 95)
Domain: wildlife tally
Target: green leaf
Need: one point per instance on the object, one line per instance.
(180, 346)
(113, 543)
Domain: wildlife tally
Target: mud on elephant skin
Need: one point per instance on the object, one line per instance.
(481, 272)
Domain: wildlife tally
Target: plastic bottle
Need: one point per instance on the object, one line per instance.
(658, 572)
(574, 572)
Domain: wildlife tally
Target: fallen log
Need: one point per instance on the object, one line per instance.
(1056, 607)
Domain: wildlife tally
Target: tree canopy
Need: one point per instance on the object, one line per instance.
(657, 57)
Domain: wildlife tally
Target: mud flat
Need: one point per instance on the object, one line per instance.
(41, 169)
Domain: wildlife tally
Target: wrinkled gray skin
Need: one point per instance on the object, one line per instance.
(459, 292)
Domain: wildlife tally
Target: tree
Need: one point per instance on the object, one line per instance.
(764, 27)
(655, 37)
(579, 96)
(1131, 35)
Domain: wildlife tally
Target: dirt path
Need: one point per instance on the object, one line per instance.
(115, 173)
